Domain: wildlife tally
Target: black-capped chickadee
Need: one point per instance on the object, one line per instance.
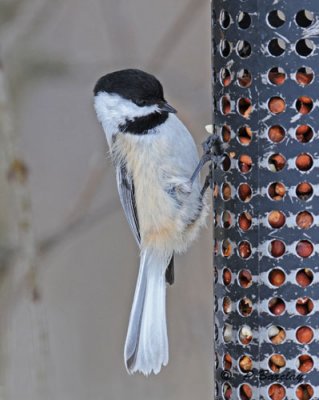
(155, 158)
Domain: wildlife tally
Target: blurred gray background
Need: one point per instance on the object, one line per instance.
(65, 306)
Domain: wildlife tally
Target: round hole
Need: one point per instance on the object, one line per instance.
(227, 333)
(305, 363)
(244, 192)
(216, 332)
(243, 49)
(227, 305)
(276, 306)
(225, 77)
(244, 78)
(304, 277)
(304, 18)
(216, 304)
(304, 105)
(245, 221)
(277, 248)
(216, 245)
(215, 275)
(225, 105)
(245, 107)
(226, 191)
(227, 391)
(305, 76)
(224, 19)
(225, 48)
(227, 219)
(276, 105)
(215, 190)
(245, 307)
(277, 76)
(304, 305)
(227, 276)
(227, 361)
(304, 191)
(245, 278)
(245, 364)
(276, 134)
(245, 392)
(276, 47)
(244, 249)
(304, 47)
(276, 18)
(304, 248)
(226, 133)
(304, 392)
(245, 335)
(227, 248)
(276, 162)
(304, 133)
(277, 277)
(277, 191)
(244, 20)
(226, 163)
(216, 360)
(244, 135)
(304, 220)
(245, 163)
(304, 334)
(277, 391)
(277, 363)
(276, 334)
(276, 219)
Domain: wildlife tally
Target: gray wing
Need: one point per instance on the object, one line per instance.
(125, 186)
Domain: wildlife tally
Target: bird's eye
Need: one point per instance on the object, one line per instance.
(141, 103)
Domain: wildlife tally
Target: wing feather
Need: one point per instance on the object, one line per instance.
(126, 191)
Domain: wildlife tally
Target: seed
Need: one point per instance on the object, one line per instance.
(276, 306)
(245, 392)
(245, 364)
(277, 392)
(276, 334)
(304, 392)
(228, 362)
(304, 277)
(227, 276)
(305, 363)
(277, 277)
(277, 362)
(245, 335)
(304, 248)
(304, 306)
(276, 133)
(244, 192)
(277, 248)
(304, 220)
(245, 278)
(245, 221)
(276, 105)
(304, 334)
(304, 162)
(245, 249)
(276, 219)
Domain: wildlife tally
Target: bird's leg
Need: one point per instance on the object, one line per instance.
(212, 152)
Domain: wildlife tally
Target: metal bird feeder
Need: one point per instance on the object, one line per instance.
(266, 206)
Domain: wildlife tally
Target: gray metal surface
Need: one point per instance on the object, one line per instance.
(260, 177)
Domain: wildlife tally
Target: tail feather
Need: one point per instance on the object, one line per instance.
(146, 346)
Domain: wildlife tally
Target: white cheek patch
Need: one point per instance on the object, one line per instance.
(112, 111)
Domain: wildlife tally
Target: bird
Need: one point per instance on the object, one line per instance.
(157, 172)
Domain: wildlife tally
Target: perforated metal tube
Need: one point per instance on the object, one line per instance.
(266, 206)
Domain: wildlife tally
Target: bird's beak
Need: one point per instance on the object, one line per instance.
(163, 106)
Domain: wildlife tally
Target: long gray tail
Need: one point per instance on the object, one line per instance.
(146, 345)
